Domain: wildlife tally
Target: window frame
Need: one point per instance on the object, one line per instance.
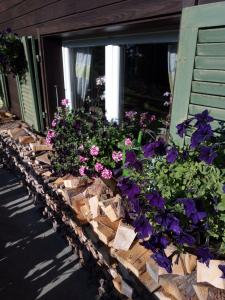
(159, 37)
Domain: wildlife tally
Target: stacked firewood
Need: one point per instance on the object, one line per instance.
(88, 213)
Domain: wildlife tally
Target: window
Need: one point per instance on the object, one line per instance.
(126, 75)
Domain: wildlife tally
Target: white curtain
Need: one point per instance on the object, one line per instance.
(172, 60)
(82, 72)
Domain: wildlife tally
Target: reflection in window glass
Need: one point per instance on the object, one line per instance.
(89, 76)
(146, 78)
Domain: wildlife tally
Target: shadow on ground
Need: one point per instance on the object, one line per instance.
(34, 261)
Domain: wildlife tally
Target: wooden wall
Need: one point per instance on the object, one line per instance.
(51, 16)
(44, 18)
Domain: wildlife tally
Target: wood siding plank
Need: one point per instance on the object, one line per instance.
(208, 88)
(6, 5)
(125, 11)
(209, 75)
(210, 62)
(213, 49)
(208, 100)
(23, 8)
(54, 10)
(211, 35)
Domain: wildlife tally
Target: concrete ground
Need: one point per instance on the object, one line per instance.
(35, 263)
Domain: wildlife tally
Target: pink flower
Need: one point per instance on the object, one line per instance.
(152, 118)
(82, 170)
(117, 156)
(54, 123)
(130, 114)
(50, 135)
(128, 142)
(106, 174)
(98, 167)
(64, 102)
(81, 147)
(83, 159)
(94, 151)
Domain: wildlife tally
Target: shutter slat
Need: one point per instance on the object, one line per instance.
(216, 113)
(209, 75)
(213, 49)
(211, 35)
(208, 88)
(208, 100)
(210, 62)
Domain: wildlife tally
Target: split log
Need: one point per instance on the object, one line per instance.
(35, 147)
(104, 228)
(60, 181)
(46, 174)
(134, 259)
(179, 287)
(112, 208)
(98, 188)
(75, 182)
(44, 158)
(94, 207)
(16, 133)
(122, 287)
(125, 236)
(211, 274)
(148, 282)
(26, 139)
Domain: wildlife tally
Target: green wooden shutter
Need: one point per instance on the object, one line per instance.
(200, 75)
(29, 91)
(3, 92)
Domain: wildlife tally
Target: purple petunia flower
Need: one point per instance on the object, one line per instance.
(163, 261)
(135, 205)
(132, 161)
(169, 222)
(191, 210)
(182, 127)
(172, 155)
(204, 255)
(224, 188)
(157, 147)
(158, 242)
(128, 188)
(142, 227)
(156, 200)
(203, 118)
(222, 268)
(202, 134)
(207, 154)
(185, 238)
(185, 155)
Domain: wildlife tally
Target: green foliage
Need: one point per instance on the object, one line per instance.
(12, 56)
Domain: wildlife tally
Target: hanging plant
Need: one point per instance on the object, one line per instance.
(12, 56)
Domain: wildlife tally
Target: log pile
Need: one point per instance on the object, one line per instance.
(89, 215)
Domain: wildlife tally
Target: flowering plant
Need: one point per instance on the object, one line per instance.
(177, 194)
(12, 56)
(85, 143)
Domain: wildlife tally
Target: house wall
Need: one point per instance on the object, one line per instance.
(74, 18)
(51, 16)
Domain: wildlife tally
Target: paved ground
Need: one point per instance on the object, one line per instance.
(34, 261)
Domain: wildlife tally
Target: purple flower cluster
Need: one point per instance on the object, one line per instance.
(132, 161)
(191, 210)
(155, 148)
(156, 200)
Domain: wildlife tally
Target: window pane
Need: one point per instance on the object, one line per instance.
(146, 78)
(89, 76)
